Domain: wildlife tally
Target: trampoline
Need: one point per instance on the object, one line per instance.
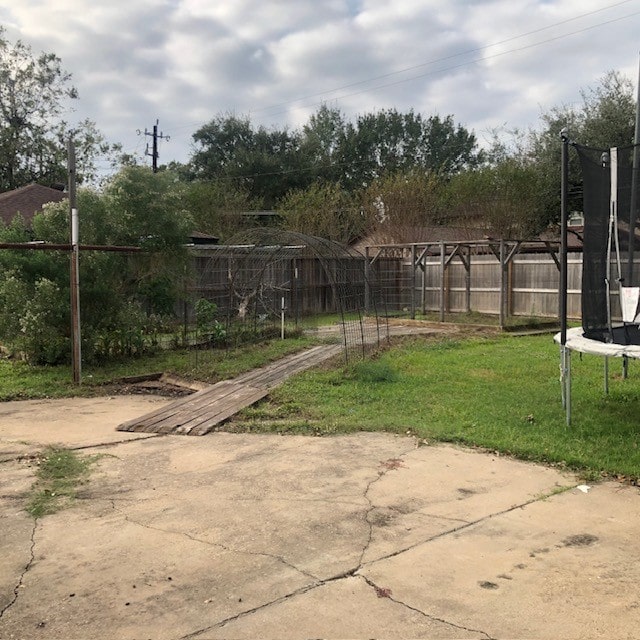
(610, 303)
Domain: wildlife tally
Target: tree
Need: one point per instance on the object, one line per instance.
(122, 295)
(263, 162)
(504, 198)
(216, 207)
(397, 205)
(388, 142)
(604, 119)
(325, 210)
(323, 144)
(270, 163)
(34, 91)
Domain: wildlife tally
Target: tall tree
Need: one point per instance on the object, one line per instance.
(323, 144)
(323, 209)
(503, 198)
(398, 205)
(262, 161)
(34, 92)
(604, 119)
(389, 141)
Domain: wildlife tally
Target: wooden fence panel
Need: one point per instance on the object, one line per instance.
(532, 284)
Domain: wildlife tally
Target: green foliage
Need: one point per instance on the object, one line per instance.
(208, 326)
(323, 209)
(216, 207)
(34, 95)
(604, 119)
(328, 149)
(265, 160)
(124, 298)
(505, 198)
(388, 141)
(60, 473)
(398, 204)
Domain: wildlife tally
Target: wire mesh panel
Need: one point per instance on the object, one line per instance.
(267, 283)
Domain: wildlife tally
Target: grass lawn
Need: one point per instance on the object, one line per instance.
(19, 380)
(500, 393)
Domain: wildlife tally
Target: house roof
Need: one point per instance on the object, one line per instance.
(27, 201)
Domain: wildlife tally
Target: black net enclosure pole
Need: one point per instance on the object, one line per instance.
(565, 379)
(633, 214)
(563, 236)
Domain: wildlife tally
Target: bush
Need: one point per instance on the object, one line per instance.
(208, 327)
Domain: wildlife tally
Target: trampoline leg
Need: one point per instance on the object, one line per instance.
(606, 375)
(568, 387)
(565, 381)
(625, 367)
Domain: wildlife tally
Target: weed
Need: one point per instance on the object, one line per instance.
(60, 473)
(372, 371)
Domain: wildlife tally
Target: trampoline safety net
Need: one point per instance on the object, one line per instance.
(610, 236)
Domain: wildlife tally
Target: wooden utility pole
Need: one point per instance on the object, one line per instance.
(76, 355)
(155, 136)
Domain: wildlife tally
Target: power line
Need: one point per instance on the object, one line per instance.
(469, 62)
(445, 58)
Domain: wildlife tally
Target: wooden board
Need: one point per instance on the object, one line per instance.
(201, 412)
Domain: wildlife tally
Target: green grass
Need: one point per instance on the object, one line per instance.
(19, 380)
(60, 473)
(492, 320)
(499, 393)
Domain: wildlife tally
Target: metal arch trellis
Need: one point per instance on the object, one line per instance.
(267, 282)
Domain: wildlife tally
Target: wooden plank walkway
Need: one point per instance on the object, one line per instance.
(199, 413)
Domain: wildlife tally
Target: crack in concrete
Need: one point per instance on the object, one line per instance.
(462, 527)
(388, 594)
(355, 571)
(100, 445)
(242, 614)
(319, 582)
(32, 555)
(381, 474)
(216, 544)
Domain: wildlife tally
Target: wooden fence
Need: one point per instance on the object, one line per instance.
(525, 285)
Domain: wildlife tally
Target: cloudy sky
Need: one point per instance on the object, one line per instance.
(489, 63)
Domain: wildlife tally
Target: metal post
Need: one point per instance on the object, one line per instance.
(282, 313)
(467, 281)
(442, 270)
(76, 355)
(413, 281)
(565, 354)
(367, 276)
(502, 283)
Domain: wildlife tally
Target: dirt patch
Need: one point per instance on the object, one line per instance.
(158, 384)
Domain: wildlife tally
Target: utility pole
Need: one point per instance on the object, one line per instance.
(76, 356)
(155, 137)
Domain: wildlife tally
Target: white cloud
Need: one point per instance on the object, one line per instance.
(184, 61)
